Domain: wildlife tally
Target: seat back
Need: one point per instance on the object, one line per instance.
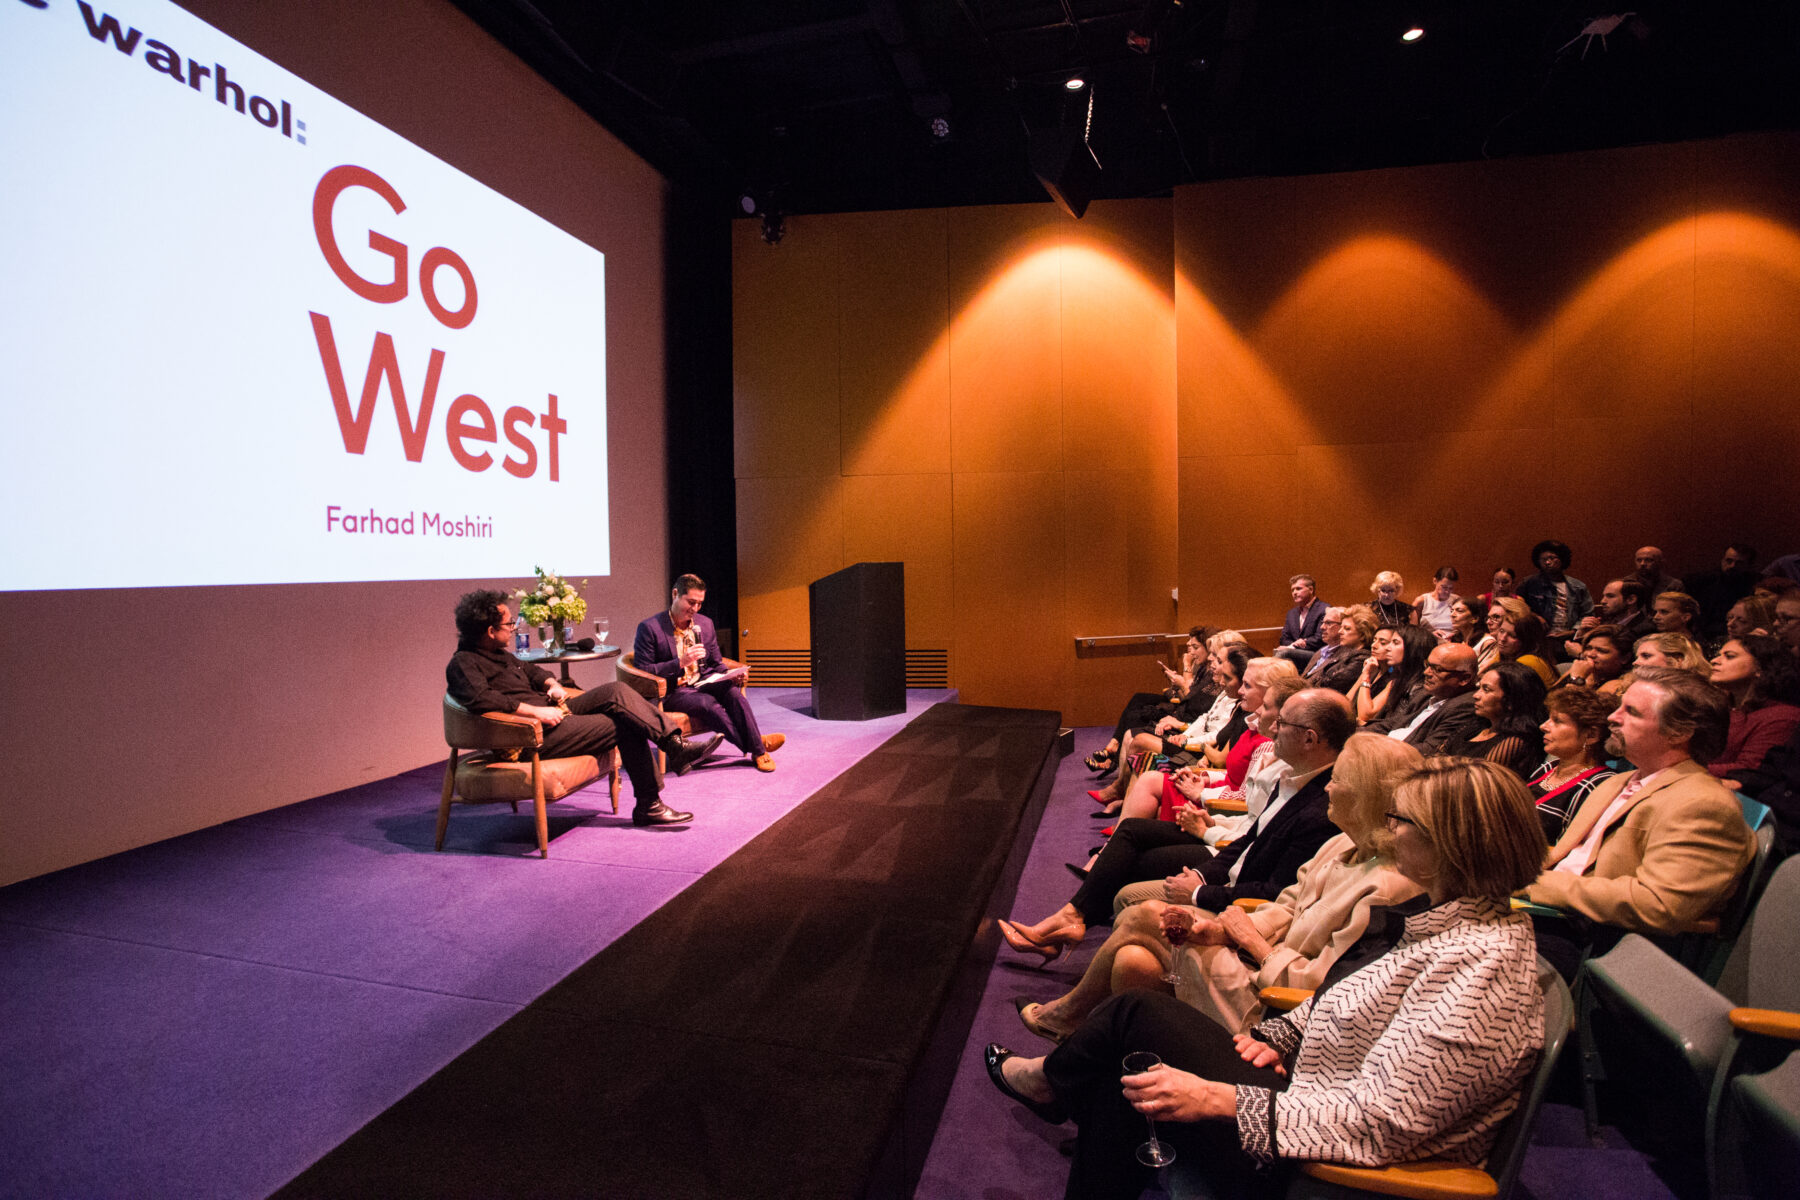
(1508, 1155)
(1707, 954)
(1755, 811)
(1774, 939)
(464, 730)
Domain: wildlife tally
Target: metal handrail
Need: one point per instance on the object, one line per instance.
(1084, 642)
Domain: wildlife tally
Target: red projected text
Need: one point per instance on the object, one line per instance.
(469, 423)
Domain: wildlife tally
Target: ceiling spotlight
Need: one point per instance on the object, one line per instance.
(940, 128)
(1076, 83)
(747, 203)
(1413, 34)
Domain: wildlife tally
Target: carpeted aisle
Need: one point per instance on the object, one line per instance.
(756, 1035)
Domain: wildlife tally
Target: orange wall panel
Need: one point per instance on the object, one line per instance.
(895, 379)
(906, 518)
(1005, 359)
(790, 532)
(784, 349)
(1012, 641)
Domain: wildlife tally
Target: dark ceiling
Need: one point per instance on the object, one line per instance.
(826, 105)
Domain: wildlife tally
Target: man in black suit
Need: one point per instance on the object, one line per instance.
(1444, 707)
(1315, 724)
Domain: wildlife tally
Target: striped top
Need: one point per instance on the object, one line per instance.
(1420, 1054)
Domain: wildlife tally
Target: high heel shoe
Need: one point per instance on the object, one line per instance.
(1080, 873)
(1100, 761)
(1049, 947)
(1105, 801)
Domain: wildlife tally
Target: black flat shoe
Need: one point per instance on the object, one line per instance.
(685, 753)
(1080, 873)
(993, 1056)
(659, 814)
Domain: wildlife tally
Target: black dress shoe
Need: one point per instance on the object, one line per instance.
(659, 814)
(993, 1056)
(684, 753)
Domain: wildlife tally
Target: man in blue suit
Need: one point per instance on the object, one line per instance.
(681, 646)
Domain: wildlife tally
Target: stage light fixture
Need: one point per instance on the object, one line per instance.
(1075, 83)
(747, 203)
(1413, 34)
(940, 128)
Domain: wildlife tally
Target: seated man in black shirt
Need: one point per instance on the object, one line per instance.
(484, 677)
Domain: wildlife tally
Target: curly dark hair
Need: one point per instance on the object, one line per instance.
(475, 613)
(1560, 549)
(1777, 677)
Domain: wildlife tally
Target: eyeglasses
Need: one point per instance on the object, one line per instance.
(1394, 818)
(1279, 725)
(514, 624)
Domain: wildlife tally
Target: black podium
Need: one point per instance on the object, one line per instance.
(859, 642)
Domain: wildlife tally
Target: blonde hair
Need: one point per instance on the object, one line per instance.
(1366, 774)
(1514, 608)
(1387, 577)
(1272, 669)
(1681, 650)
(1363, 617)
(1480, 820)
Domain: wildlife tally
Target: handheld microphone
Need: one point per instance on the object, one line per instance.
(585, 644)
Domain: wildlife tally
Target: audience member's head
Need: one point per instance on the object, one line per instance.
(476, 613)
(1739, 557)
(1229, 667)
(1675, 612)
(1468, 617)
(1416, 644)
(1362, 786)
(1481, 828)
(1315, 724)
(1358, 627)
(1503, 609)
(1750, 615)
(1622, 600)
(1520, 636)
(1787, 622)
(1331, 626)
(1450, 670)
(1676, 650)
(1551, 557)
(1575, 729)
(1648, 561)
(1387, 587)
(1506, 581)
(1444, 581)
(1773, 587)
(1302, 588)
(1510, 698)
(1668, 715)
(1606, 652)
(1756, 670)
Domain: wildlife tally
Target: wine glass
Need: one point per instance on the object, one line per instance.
(1177, 935)
(1152, 1153)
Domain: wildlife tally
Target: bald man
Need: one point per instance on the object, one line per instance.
(1444, 706)
(1649, 563)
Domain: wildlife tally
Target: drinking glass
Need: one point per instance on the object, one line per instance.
(601, 631)
(1177, 935)
(1152, 1153)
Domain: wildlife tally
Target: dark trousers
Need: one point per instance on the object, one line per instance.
(721, 708)
(1140, 848)
(1085, 1072)
(1142, 711)
(612, 715)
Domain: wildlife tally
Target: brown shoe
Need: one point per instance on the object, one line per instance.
(773, 742)
(764, 763)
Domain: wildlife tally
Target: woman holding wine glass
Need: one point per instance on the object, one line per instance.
(1362, 1073)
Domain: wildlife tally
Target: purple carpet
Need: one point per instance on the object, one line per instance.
(988, 1148)
(209, 1015)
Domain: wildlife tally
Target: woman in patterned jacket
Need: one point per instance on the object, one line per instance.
(1416, 1052)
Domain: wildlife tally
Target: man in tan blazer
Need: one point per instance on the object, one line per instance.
(1656, 850)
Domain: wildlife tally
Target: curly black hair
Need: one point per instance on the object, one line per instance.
(475, 613)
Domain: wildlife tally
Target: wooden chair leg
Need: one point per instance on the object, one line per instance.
(613, 784)
(444, 804)
(537, 799)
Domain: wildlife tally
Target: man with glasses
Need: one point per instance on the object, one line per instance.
(1444, 707)
(484, 677)
(1787, 622)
